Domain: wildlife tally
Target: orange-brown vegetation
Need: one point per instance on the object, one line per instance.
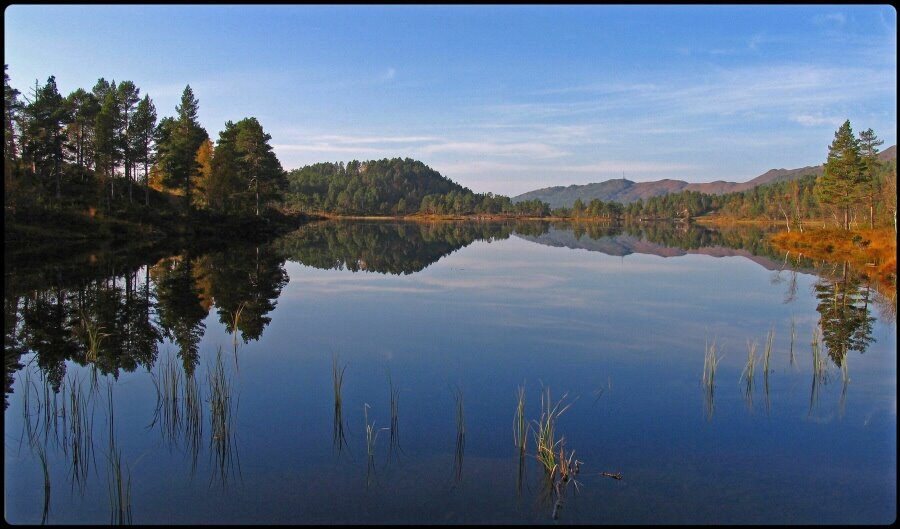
(872, 253)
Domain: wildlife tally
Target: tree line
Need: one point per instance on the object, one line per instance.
(94, 147)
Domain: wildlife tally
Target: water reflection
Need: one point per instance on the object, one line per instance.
(114, 321)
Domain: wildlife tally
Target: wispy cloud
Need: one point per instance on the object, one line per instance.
(388, 75)
(817, 120)
(830, 19)
(529, 149)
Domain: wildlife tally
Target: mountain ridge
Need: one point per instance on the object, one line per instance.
(626, 191)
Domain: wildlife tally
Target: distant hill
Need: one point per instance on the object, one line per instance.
(626, 191)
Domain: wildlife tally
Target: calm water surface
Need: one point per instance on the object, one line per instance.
(217, 371)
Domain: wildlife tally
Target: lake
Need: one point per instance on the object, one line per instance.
(370, 372)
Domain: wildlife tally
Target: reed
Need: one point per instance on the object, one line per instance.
(793, 337)
(337, 376)
(770, 340)
(193, 418)
(81, 425)
(545, 431)
(30, 428)
(819, 369)
(221, 418)
(747, 373)
(94, 336)
(395, 414)
(119, 486)
(168, 383)
(42, 456)
(460, 434)
(119, 490)
(371, 432)
(520, 424)
(710, 363)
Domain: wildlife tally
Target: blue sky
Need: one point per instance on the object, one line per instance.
(499, 98)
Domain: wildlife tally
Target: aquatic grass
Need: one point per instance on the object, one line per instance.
(337, 376)
(94, 337)
(42, 456)
(371, 432)
(710, 363)
(747, 373)
(233, 329)
(793, 337)
(520, 424)
(30, 428)
(119, 486)
(819, 369)
(119, 491)
(222, 407)
(193, 418)
(460, 434)
(81, 426)
(545, 431)
(168, 383)
(770, 339)
(845, 375)
(395, 415)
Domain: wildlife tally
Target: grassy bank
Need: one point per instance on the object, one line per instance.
(871, 252)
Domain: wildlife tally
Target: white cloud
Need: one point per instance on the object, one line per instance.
(809, 120)
(388, 75)
(830, 18)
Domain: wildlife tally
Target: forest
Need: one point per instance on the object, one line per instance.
(100, 161)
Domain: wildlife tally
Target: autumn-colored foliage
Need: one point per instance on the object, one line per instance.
(871, 252)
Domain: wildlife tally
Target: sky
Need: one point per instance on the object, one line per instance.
(501, 98)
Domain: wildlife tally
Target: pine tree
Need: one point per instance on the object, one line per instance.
(141, 136)
(840, 185)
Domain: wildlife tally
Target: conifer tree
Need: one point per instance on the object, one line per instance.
(839, 186)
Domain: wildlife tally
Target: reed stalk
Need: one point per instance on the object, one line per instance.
(520, 424)
(460, 434)
(221, 417)
(710, 363)
(337, 376)
(395, 414)
(545, 431)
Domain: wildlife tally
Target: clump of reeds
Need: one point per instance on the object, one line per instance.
(747, 373)
(395, 414)
(520, 424)
(710, 363)
(221, 418)
(337, 376)
(30, 429)
(193, 417)
(460, 434)
(819, 369)
(94, 337)
(168, 389)
(371, 432)
(119, 485)
(119, 491)
(81, 425)
(545, 431)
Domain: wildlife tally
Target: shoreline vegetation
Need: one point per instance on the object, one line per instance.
(97, 167)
